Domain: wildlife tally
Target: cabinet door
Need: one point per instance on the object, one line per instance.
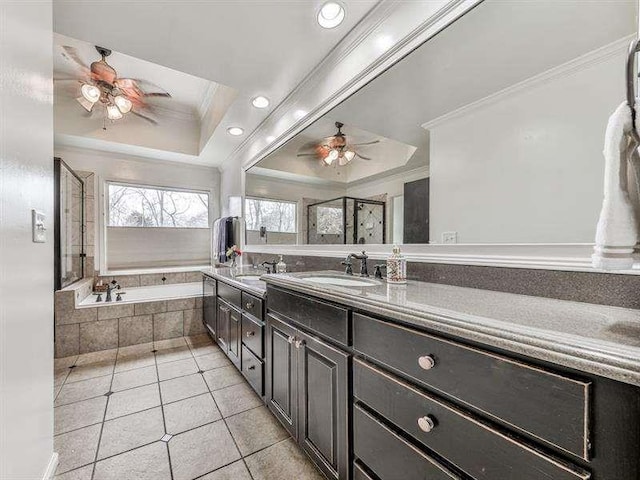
(222, 326)
(209, 305)
(323, 404)
(281, 373)
(234, 336)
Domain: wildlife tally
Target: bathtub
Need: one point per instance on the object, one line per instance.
(147, 294)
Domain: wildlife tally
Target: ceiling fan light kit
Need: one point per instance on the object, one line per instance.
(336, 150)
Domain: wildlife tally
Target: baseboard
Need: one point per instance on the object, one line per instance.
(51, 468)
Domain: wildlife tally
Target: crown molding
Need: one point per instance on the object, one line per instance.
(351, 64)
(588, 60)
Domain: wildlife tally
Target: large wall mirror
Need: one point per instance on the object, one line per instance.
(489, 133)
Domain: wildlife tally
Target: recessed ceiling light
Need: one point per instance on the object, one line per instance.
(235, 131)
(331, 15)
(260, 102)
(298, 114)
(270, 138)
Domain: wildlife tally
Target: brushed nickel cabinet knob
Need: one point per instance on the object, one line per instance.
(427, 362)
(291, 338)
(250, 333)
(249, 305)
(299, 343)
(426, 423)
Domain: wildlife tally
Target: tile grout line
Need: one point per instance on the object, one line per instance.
(224, 419)
(164, 420)
(106, 408)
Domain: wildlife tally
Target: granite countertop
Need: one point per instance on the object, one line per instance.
(234, 276)
(596, 339)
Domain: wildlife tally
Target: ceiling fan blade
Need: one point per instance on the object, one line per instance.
(147, 88)
(148, 119)
(365, 143)
(306, 155)
(363, 157)
(158, 94)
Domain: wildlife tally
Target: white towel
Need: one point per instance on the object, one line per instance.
(215, 254)
(617, 231)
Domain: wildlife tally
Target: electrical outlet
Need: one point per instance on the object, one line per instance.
(449, 237)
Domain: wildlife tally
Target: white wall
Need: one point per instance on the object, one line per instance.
(26, 268)
(528, 167)
(112, 166)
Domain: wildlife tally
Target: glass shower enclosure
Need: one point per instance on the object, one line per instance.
(68, 225)
(346, 220)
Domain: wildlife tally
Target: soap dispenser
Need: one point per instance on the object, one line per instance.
(281, 267)
(396, 267)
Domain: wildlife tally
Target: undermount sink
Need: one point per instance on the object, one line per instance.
(341, 281)
(248, 277)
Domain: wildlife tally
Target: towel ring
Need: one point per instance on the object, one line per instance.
(631, 74)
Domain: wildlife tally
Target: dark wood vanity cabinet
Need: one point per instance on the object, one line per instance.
(209, 309)
(307, 390)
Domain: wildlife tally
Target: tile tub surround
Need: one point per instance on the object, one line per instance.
(597, 339)
(599, 288)
(135, 415)
(90, 329)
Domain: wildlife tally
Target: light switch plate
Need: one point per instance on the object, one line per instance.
(38, 228)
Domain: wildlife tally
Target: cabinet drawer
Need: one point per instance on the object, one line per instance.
(475, 448)
(252, 305)
(547, 405)
(324, 318)
(230, 294)
(252, 333)
(253, 371)
(389, 456)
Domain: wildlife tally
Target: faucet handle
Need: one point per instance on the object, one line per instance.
(378, 270)
(349, 266)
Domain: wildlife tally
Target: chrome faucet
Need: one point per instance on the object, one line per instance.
(110, 287)
(363, 263)
(270, 266)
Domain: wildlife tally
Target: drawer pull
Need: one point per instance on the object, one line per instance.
(426, 423)
(252, 367)
(250, 333)
(427, 362)
(291, 339)
(249, 305)
(299, 343)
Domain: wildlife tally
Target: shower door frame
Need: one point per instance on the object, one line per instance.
(58, 163)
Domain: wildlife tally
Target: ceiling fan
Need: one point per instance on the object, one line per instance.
(100, 85)
(335, 149)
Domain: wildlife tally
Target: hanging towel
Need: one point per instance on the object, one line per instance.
(617, 230)
(215, 253)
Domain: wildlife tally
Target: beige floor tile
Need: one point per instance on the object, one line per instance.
(64, 362)
(132, 362)
(170, 343)
(132, 431)
(183, 387)
(235, 471)
(201, 339)
(76, 449)
(179, 368)
(236, 399)
(133, 400)
(150, 462)
(91, 370)
(201, 451)
(97, 357)
(74, 392)
(173, 354)
(59, 376)
(200, 350)
(79, 414)
(134, 378)
(83, 473)
(190, 413)
(213, 360)
(133, 350)
(255, 429)
(282, 461)
(222, 377)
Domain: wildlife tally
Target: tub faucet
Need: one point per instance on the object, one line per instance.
(110, 287)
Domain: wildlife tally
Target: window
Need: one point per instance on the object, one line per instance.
(139, 206)
(274, 215)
